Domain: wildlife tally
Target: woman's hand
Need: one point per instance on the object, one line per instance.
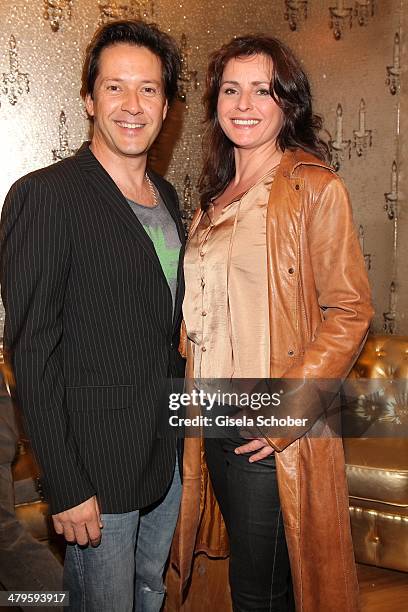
(257, 444)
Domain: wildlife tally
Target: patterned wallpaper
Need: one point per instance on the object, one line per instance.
(353, 50)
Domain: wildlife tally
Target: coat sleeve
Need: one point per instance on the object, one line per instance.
(34, 267)
(343, 293)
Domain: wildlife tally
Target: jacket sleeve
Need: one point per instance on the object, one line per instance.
(343, 293)
(34, 268)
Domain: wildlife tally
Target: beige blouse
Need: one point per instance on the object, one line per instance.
(226, 302)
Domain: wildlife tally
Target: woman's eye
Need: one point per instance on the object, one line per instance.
(263, 92)
(229, 91)
(150, 91)
(113, 88)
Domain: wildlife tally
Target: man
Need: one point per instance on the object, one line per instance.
(92, 287)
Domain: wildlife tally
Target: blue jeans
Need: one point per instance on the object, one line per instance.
(125, 572)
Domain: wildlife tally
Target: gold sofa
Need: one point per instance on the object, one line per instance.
(30, 509)
(377, 467)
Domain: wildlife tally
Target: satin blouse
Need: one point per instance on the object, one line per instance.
(225, 308)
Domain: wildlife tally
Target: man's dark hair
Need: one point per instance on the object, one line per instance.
(136, 33)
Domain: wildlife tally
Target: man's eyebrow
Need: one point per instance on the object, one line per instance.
(152, 81)
(121, 80)
(108, 78)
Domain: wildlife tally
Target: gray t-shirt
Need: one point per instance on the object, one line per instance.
(161, 229)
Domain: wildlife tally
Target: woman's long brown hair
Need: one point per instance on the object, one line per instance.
(289, 88)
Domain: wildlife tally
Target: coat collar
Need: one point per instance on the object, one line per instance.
(292, 159)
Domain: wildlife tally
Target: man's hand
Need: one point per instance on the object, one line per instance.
(257, 444)
(80, 524)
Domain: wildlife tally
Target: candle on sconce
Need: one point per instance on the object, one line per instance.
(339, 124)
(361, 237)
(362, 116)
(396, 51)
(13, 54)
(394, 178)
(393, 296)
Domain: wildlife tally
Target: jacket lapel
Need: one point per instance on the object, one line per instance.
(101, 181)
(172, 206)
(109, 191)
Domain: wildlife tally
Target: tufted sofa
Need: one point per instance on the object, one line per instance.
(377, 467)
(31, 510)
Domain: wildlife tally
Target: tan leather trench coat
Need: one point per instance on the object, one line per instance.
(320, 311)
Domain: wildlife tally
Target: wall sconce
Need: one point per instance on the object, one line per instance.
(187, 77)
(363, 10)
(64, 149)
(391, 198)
(394, 71)
(15, 83)
(367, 256)
(390, 323)
(295, 11)
(133, 9)
(362, 137)
(338, 146)
(57, 10)
(339, 16)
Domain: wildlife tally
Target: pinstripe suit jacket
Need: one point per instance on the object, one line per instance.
(90, 333)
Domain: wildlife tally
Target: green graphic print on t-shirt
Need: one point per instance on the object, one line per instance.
(159, 225)
(168, 256)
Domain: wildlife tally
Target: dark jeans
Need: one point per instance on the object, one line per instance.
(248, 497)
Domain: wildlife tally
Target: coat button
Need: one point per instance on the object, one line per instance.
(297, 187)
(291, 270)
(291, 353)
(203, 349)
(204, 314)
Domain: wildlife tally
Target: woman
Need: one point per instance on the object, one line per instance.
(275, 287)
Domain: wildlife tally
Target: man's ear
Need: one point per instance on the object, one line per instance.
(89, 105)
